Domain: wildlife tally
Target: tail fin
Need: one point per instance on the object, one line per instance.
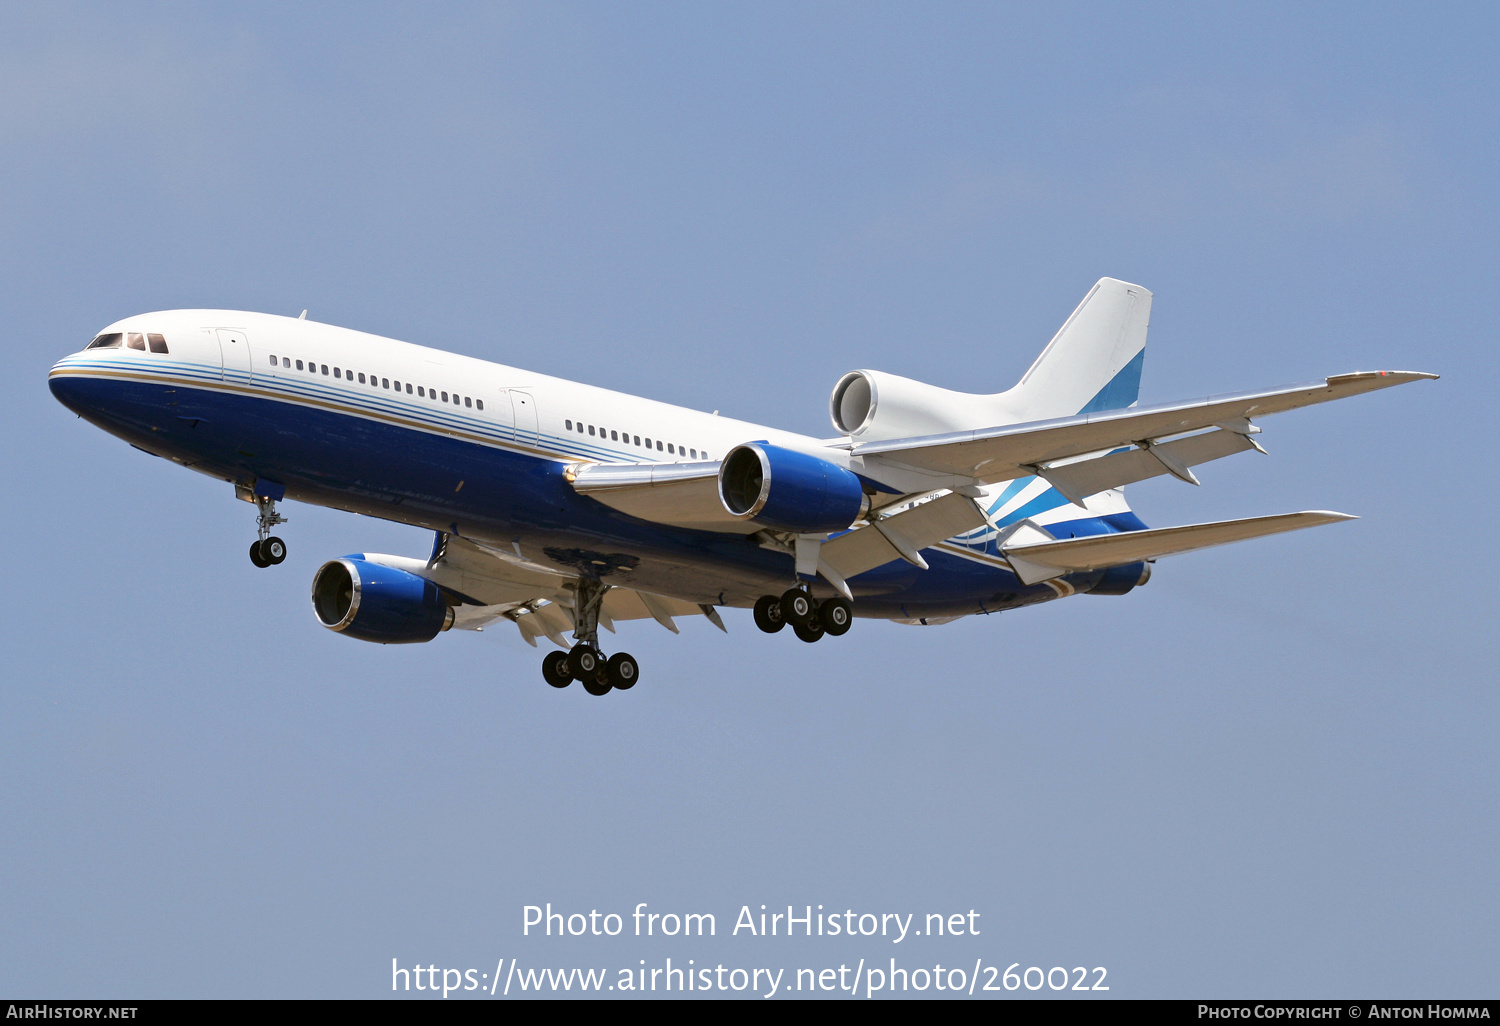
(1093, 362)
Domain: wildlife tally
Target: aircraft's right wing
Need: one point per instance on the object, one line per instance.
(491, 584)
(967, 458)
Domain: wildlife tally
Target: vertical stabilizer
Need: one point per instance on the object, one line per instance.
(1094, 361)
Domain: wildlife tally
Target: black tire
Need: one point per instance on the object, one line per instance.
(599, 685)
(555, 669)
(256, 557)
(768, 614)
(836, 615)
(585, 663)
(808, 632)
(797, 606)
(273, 550)
(622, 671)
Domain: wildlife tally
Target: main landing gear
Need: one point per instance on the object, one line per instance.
(584, 662)
(809, 618)
(267, 549)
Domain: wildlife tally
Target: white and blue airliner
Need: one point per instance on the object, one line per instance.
(562, 507)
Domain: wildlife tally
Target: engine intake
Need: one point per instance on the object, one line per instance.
(788, 490)
(371, 602)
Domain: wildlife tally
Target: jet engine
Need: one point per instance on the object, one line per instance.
(371, 602)
(789, 491)
(873, 405)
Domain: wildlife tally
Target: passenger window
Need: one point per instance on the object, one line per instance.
(286, 361)
(361, 378)
(421, 392)
(648, 443)
(479, 403)
(637, 439)
(445, 397)
(299, 364)
(468, 401)
(614, 436)
(273, 361)
(325, 369)
(670, 449)
(591, 429)
(385, 382)
(110, 341)
(569, 424)
(658, 446)
(408, 388)
(693, 453)
(336, 372)
(136, 341)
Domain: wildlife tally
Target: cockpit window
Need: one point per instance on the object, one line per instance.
(158, 344)
(136, 341)
(109, 340)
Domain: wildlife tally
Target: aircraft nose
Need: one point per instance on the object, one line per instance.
(70, 388)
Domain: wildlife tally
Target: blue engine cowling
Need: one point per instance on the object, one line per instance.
(788, 490)
(371, 602)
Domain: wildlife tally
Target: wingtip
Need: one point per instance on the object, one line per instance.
(1329, 515)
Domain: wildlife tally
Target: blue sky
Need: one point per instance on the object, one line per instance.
(1270, 771)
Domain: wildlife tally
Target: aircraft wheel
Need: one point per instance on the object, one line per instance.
(836, 616)
(585, 663)
(768, 614)
(797, 607)
(273, 550)
(555, 669)
(598, 685)
(256, 557)
(622, 671)
(808, 632)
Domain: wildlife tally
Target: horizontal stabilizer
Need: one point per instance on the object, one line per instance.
(1036, 559)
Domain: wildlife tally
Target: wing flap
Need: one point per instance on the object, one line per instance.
(913, 529)
(1015, 450)
(1035, 558)
(1088, 477)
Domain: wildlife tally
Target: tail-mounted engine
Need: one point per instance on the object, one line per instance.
(873, 405)
(371, 602)
(789, 491)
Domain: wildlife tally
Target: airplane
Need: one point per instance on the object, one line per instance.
(564, 507)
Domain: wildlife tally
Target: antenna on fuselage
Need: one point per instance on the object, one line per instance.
(302, 316)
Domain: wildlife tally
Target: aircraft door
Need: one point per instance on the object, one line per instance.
(234, 356)
(523, 413)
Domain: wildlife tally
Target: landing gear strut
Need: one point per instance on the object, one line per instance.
(809, 618)
(583, 662)
(267, 549)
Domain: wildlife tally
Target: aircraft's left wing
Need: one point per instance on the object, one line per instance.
(967, 458)
(680, 494)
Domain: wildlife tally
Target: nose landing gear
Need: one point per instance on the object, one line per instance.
(267, 549)
(583, 662)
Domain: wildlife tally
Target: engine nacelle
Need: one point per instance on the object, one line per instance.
(378, 603)
(788, 490)
(875, 406)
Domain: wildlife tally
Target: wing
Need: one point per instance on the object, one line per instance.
(488, 583)
(679, 494)
(1053, 448)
